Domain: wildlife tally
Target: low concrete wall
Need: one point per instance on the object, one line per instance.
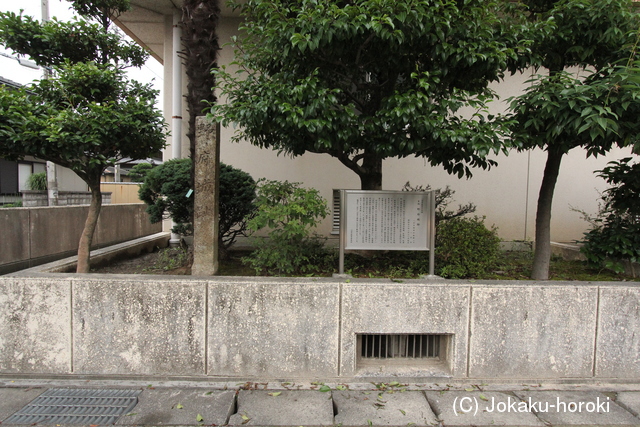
(288, 329)
(33, 236)
(32, 199)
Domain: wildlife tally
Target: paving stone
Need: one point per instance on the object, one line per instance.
(359, 408)
(630, 400)
(583, 408)
(14, 399)
(181, 407)
(462, 408)
(283, 408)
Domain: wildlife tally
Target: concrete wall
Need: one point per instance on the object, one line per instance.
(33, 236)
(32, 199)
(306, 328)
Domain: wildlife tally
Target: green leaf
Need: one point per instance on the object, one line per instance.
(324, 388)
(199, 418)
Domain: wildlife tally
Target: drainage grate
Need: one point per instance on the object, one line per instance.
(76, 406)
(400, 346)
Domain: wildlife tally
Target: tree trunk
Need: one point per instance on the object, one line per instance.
(371, 173)
(84, 247)
(542, 255)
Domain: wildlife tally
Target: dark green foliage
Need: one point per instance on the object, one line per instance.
(164, 191)
(166, 186)
(237, 195)
(139, 172)
(37, 181)
(55, 42)
(623, 197)
(98, 9)
(290, 212)
(614, 239)
(615, 235)
(465, 248)
(12, 205)
(367, 80)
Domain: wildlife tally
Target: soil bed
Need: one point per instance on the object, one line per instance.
(511, 266)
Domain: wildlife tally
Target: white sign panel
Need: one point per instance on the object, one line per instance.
(387, 220)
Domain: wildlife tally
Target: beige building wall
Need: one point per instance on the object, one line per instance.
(122, 192)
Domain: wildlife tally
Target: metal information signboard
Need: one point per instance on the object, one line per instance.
(387, 220)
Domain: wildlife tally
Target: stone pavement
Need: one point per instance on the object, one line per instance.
(184, 403)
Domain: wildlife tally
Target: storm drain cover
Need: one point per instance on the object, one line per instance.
(76, 406)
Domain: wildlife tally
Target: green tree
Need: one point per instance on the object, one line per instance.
(595, 110)
(366, 80)
(139, 172)
(89, 115)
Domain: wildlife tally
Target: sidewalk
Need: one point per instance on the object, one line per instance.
(183, 403)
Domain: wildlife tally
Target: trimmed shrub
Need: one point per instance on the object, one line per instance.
(165, 188)
(164, 191)
(139, 172)
(465, 247)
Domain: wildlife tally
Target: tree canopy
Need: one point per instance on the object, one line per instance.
(53, 42)
(366, 80)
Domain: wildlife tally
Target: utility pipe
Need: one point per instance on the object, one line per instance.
(52, 170)
(176, 117)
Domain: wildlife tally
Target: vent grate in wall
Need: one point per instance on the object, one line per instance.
(406, 346)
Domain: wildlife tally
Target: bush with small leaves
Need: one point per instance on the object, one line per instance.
(290, 212)
(465, 247)
(615, 235)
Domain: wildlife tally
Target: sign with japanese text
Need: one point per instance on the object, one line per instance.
(386, 220)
